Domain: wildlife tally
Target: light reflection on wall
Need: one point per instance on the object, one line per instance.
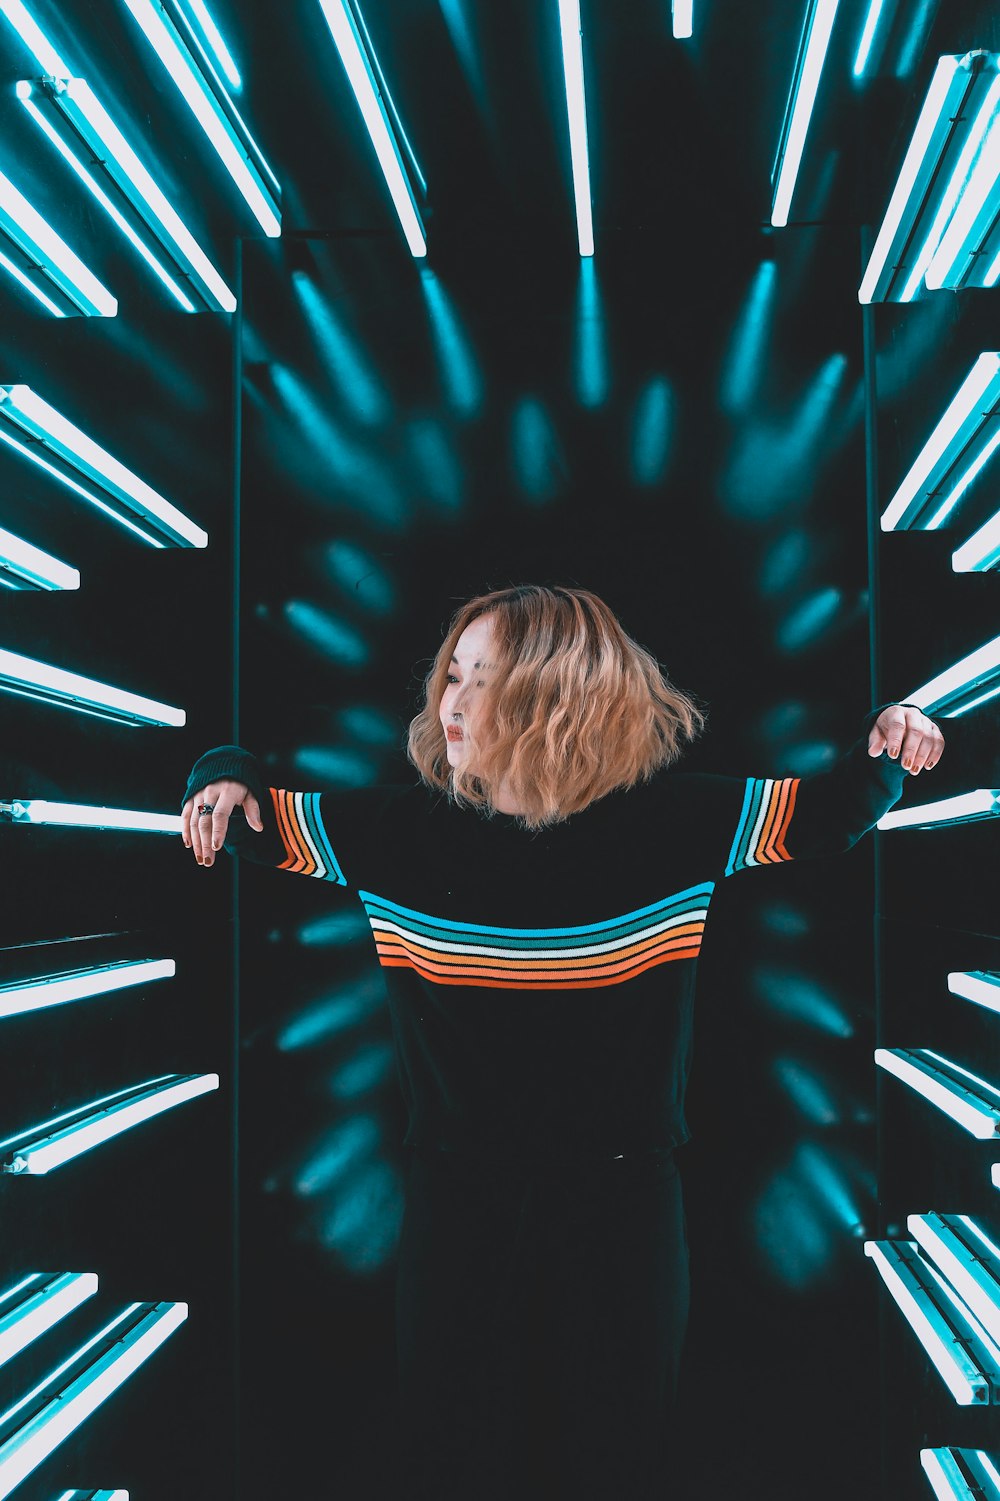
(358, 387)
(356, 571)
(369, 1068)
(333, 638)
(796, 997)
(809, 1214)
(438, 475)
(536, 458)
(590, 357)
(338, 766)
(652, 432)
(324, 1020)
(461, 380)
(745, 358)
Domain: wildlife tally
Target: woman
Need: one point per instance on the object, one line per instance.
(538, 901)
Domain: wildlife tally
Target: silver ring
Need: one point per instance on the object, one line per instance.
(206, 808)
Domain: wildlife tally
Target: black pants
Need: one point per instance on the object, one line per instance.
(540, 1314)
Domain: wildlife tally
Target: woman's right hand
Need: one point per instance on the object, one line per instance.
(205, 835)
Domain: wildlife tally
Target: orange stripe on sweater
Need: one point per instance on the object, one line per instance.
(384, 939)
(534, 969)
(298, 858)
(762, 854)
(576, 984)
(786, 819)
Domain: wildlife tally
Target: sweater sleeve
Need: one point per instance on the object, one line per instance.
(769, 820)
(327, 835)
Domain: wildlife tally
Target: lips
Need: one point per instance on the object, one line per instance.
(454, 734)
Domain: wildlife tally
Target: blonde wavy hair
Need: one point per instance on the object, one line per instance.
(576, 707)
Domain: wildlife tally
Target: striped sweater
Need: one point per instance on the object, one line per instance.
(541, 984)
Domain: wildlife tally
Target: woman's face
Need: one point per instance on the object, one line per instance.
(468, 674)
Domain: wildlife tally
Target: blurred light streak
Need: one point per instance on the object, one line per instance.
(817, 1170)
(334, 638)
(363, 1226)
(439, 476)
(335, 930)
(461, 40)
(811, 422)
(912, 47)
(790, 1231)
(538, 465)
(783, 918)
(335, 1155)
(356, 572)
(789, 994)
(368, 1069)
(460, 375)
(744, 360)
(357, 384)
(652, 432)
(336, 765)
(328, 1018)
(786, 561)
(810, 756)
(369, 726)
(590, 362)
(807, 623)
(807, 1092)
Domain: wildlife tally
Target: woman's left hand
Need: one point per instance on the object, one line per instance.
(906, 732)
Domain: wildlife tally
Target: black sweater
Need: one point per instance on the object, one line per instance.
(541, 983)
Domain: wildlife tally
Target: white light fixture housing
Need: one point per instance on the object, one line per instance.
(961, 1474)
(979, 985)
(981, 551)
(951, 129)
(44, 1417)
(28, 678)
(70, 453)
(38, 1302)
(962, 443)
(395, 157)
(167, 28)
(42, 1148)
(85, 127)
(37, 248)
(814, 41)
(23, 566)
(42, 991)
(571, 34)
(973, 1103)
(40, 812)
(964, 1253)
(971, 681)
(966, 1363)
(965, 807)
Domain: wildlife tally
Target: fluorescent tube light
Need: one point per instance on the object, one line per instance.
(961, 1474)
(36, 240)
(571, 33)
(932, 178)
(215, 112)
(971, 681)
(36, 1303)
(36, 1425)
(118, 1495)
(84, 816)
(55, 1142)
(682, 17)
(115, 214)
(813, 44)
(79, 112)
(214, 41)
(970, 1101)
(970, 1260)
(966, 254)
(360, 65)
(124, 493)
(867, 37)
(982, 550)
(29, 286)
(966, 807)
(23, 566)
(79, 984)
(979, 985)
(29, 678)
(967, 1366)
(963, 440)
(34, 38)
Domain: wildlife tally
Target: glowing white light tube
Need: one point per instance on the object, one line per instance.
(68, 444)
(969, 1259)
(960, 246)
(576, 106)
(40, 1149)
(51, 1411)
(34, 38)
(970, 1101)
(25, 567)
(995, 1174)
(965, 807)
(968, 682)
(813, 44)
(86, 816)
(79, 984)
(36, 239)
(344, 30)
(979, 985)
(36, 1303)
(79, 108)
(955, 445)
(682, 17)
(967, 1367)
(961, 1474)
(29, 678)
(214, 40)
(214, 111)
(118, 1495)
(981, 551)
